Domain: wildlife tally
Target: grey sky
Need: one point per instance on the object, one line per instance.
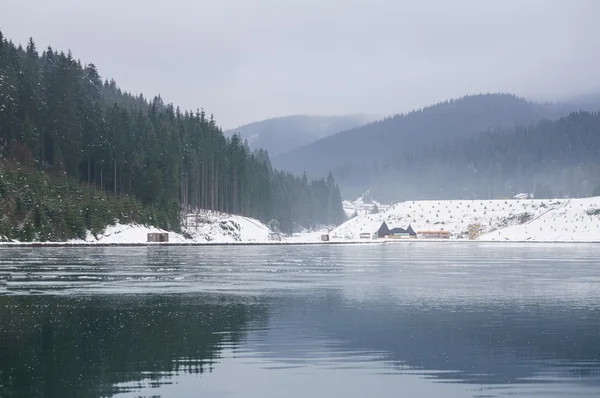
(246, 60)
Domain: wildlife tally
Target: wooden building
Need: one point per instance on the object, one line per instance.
(385, 232)
(158, 237)
(434, 234)
(407, 233)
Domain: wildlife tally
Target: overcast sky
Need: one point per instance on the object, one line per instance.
(247, 60)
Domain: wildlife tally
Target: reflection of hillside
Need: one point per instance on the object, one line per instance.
(67, 347)
(472, 344)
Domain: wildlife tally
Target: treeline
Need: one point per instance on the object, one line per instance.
(431, 126)
(58, 116)
(367, 157)
(549, 159)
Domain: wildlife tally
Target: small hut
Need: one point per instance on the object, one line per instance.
(158, 237)
(434, 234)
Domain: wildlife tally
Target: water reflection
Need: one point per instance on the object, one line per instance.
(343, 321)
(473, 344)
(85, 346)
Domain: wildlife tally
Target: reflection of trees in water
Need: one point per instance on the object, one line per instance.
(67, 347)
(85, 346)
(492, 344)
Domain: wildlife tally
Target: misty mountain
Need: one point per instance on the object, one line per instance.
(550, 159)
(284, 134)
(355, 153)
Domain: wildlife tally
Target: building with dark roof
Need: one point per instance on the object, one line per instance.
(384, 231)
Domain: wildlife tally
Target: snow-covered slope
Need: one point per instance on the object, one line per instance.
(201, 227)
(556, 220)
(544, 220)
(207, 226)
(127, 233)
(362, 206)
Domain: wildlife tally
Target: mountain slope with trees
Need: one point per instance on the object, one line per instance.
(283, 134)
(352, 152)
(58, 118)
(549, 159)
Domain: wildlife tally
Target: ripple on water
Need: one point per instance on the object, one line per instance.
(385, 320)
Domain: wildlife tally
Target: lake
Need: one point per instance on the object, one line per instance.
(384, 320)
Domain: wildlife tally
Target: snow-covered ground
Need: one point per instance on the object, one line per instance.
(362, 206)
(208, 226)
(539, 220)
(125, 234)
(535, 220)
(201, 227)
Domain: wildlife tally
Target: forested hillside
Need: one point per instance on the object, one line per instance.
(549, 159)
(283, 134)
(59, 118)
(352, 152)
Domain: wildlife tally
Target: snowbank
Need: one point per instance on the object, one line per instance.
(201, 227)
(127, 233)
(208, 226)
(534, 220)
(538, 220)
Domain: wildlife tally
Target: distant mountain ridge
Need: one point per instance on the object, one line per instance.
(379, 144)
(283, 134)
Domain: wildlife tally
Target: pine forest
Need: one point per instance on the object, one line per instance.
(110, 155)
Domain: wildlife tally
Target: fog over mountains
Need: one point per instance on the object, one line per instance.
(477, 146)
(283, 134)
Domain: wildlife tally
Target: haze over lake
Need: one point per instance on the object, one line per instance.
(406, 319)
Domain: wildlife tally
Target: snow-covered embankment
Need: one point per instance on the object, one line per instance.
(539, 220)
(201, 227)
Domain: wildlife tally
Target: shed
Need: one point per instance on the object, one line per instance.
(434, 234)
(158, 236)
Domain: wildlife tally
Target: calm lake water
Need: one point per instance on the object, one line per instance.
(382, 320)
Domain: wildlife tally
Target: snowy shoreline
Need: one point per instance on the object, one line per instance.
(288, 243)
(473, 221)
(501, 220)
